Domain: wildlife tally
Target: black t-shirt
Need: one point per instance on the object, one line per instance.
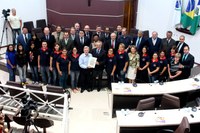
(63, 63)
(153, 66)
(33, 57)
(110, 62)
(21, 59)
(45, 57)
(55, 56)
(74, 62)
(144, 60)
(163, 63)
(121, 60)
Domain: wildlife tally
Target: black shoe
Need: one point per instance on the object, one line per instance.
(98, 90)
(82, 90)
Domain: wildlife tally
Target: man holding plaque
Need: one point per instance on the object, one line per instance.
(85, 69)
(97, 72)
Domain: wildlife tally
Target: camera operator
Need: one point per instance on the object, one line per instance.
(15, 23)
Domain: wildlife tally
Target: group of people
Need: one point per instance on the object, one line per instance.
(125, 58)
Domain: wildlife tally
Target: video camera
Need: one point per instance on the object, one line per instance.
(28, 106)
(6, 13)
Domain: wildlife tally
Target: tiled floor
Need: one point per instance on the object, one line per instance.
(90, 113)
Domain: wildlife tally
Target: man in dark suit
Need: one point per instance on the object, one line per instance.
(125, 39)
(187, 62)
(100, 54)
(112, 43)
(119, 31)
(24, 38)
(77, 27)
(81, 41)
(167, 43)
(49, 38)
(72, 33)
(181, 44)
(67, 42)
(88, 33)
(106, 34)
(100, 33)
(139, 41)
(154, 43)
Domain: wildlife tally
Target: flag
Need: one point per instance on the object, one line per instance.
(196, 19)
(187, 17)
(177, 13)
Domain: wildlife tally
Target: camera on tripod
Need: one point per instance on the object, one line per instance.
(6, 13)
(28, 106)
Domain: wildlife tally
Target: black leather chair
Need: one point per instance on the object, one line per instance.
(43, 123)
(15, 94)
(169, 101)
(37, 97)
(146, 104)
(184, 127)
(41, 23)
(29, 25)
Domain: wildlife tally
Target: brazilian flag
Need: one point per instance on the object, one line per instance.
(190, 18)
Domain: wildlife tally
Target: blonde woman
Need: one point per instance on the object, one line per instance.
(134, 63)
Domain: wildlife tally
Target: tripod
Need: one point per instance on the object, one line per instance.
(29, 122)
(5, 27)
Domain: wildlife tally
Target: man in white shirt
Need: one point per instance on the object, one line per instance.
(15, 23)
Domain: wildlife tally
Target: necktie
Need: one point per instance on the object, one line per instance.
(98, 51)
(26, 39)
(112, 44)
(47, 37)
(87, 34)
(82, 40)
(58, 36)
(183, 57)
(138, 43)
(179, 46)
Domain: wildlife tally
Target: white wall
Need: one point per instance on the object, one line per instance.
(28, 10)
(156, 15)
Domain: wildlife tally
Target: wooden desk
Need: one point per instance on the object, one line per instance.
(124, 95)
(153, 121)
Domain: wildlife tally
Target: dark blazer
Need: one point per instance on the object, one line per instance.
(108, 44)
(101, 36)
(188, 64)
(166, 46)
(141, 45)
(89, 36)
(106, 36)
(101, 58)
(21, 40)
(181, 50)
(80, 46)
(69, 45)
(125, 40)
(153, 48)
(51, 41)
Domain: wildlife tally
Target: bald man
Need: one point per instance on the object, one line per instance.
(154, 43)
(112, 43)
(139, 41)
(49, 38)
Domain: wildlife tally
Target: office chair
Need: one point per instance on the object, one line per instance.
(146, 104)
(169, 102)
(41, 23)
(37, 97)
(43, 123)
(184, 127)
(29, 25)
(15, 95)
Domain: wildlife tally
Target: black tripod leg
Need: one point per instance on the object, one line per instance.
(4, 27)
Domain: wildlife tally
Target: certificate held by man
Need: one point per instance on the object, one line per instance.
(92, 62)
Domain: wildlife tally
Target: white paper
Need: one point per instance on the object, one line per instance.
(92, 62)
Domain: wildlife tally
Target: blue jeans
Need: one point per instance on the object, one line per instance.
(55, 76)
(34, 73)
(153, 78)
(22, 73)
(63, 80)
(14, 32)
(74, 78)
(11, 74)
(45, 74)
